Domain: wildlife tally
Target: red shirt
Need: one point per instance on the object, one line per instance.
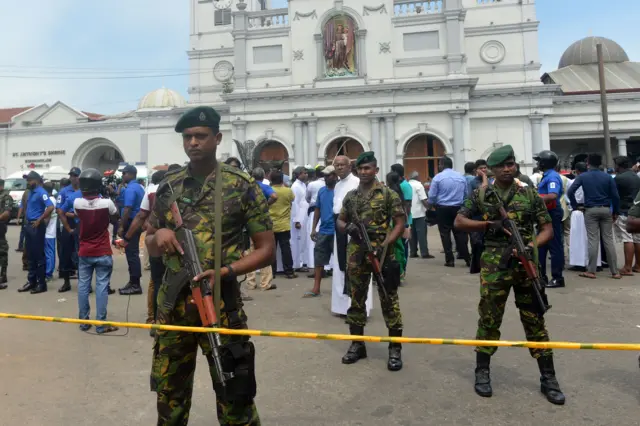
(94, 214)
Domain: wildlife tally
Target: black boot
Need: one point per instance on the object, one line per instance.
(66, 286)
(357, 350)
(130, 289)
(109, 290)
(40, 288)
(395, 352)
(483, 377)
(3, 275)
(548, 382)
(27, 287)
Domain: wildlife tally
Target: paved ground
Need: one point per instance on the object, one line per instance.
(53, 374)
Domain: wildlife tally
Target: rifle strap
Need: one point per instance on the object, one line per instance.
(217, 224)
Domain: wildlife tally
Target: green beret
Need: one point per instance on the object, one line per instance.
(202, 116)
(500, 155)
(366, 157)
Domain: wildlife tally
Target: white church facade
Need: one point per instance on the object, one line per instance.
(412, 81)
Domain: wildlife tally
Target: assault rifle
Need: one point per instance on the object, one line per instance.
(200, 290)
(371, 255)
(540, 300)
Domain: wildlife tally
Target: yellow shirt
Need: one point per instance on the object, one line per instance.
(280, 211)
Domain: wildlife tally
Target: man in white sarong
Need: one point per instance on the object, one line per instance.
(313, 187)
(578, 245)
(299, 219)
(341, 302)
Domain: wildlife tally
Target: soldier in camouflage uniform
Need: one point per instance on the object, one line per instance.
(526, 209)
(376, 206)
(6, 204)
(244, 205)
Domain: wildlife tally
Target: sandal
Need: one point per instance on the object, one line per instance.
(108, 329)
(626, 274)
(589, 275)
(616, 277)
(310, 295)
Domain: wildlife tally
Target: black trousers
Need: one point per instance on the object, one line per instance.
(445, 216)
(67, 244)
(283, 240)
(132, 252)
(34, 240)
(157, 275)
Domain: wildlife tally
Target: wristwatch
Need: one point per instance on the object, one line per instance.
(231, 274)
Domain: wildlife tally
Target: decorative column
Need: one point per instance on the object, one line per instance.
(144, 147)
(454, 15)
(240, 131)
(375, 140)
(390, 142)
(622, 146)
(298, 148)
(239, 34)
(362, 51)
(312, 144)
(319, 55)
(458, 139)
(536, 132)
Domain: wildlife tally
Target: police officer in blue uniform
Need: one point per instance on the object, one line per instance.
(64, 182)
(131, 200)
(550, 189)
(71, 225)
(39, 208)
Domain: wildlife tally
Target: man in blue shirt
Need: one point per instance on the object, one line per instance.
(447, 193)
(68, 238)
(323, 238)
(550, 189)
(132, 198)
(601, 209)
(39, 208)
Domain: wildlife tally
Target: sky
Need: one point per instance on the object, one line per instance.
(58, 47)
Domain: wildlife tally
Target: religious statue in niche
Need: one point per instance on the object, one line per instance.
(339, 47)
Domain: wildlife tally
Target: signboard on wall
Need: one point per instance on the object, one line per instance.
(38, 159)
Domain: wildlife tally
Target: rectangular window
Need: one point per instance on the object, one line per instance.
(267, 54)
(427, 40)
(222, 17)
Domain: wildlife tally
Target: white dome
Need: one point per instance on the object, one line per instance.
(162, 98)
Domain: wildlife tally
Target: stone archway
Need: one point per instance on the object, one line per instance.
(99, 153)
(422, 154)
(343, 146)
(270, 151)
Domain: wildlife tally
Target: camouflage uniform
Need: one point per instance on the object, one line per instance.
(174, 357)
(525, 208)
(375, 210)
(6, 204)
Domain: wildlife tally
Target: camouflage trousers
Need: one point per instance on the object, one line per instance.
(174, 364)
(495, 286)
(358, 278)
(4, 252)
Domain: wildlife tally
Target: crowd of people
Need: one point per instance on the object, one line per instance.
(349, 221)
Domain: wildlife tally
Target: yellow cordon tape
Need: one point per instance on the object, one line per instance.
(319, 336)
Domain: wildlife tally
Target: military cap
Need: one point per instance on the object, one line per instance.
(500, 155)
(75, 171)
(33, 176)
(202, 116)
(366, 157)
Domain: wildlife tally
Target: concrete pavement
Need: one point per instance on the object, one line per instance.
(55, 375)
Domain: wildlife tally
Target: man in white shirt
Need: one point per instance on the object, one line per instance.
(419, 213)
(299, 219)
(340, 302)
(50, 234)
(312, 194)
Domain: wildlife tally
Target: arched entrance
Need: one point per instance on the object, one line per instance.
(422, 154)
(343, 146)
(271, 151)
(100, 154)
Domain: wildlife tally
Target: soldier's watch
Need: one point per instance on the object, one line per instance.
(231, 274)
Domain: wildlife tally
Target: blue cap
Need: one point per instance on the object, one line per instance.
(130, 169)
(75, 171)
